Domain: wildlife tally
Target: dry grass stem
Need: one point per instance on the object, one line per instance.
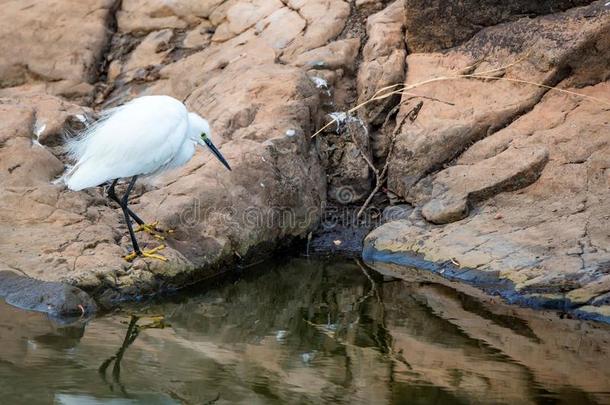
(402, 89)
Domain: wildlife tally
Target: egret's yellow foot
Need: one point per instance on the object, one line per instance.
(152, 254)
(157, 322)
(148, 228)
(153, 230)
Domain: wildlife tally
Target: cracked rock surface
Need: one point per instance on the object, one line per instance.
(501, 176)
(515, 177)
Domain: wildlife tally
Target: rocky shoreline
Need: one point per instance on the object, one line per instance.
(402, 266)
(501, 174)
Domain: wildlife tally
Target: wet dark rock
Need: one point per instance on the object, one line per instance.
(341, 240)
(344, 150)
(55, 299)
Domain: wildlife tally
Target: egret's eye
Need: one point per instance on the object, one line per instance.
(204, 136)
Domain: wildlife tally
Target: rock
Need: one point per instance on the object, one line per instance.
(243, 15)
(396, 212)
(49, 117)
(149, 54)
(364, 5)
(526, 164)
(446, 210)
(198, 37)
(217, 218)
(547, 48)
(550, 239)
(344, 153)
(325, 20)
(47, 51)
(436, 25)
(18, 122)
(262, 123)
(143, 16)
(383, 60)
(455, 186)
(338, 54)
(236, 211)
(55, 299)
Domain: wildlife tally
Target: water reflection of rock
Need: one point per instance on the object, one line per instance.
(311, 333)
(25, 339)
(497, 353)
(301, 334)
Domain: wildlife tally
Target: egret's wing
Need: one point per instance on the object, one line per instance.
(136, 139)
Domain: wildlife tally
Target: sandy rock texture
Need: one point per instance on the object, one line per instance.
(513, 179)
(54, 47)
(498, 175)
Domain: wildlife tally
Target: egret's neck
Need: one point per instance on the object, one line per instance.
(197, 126)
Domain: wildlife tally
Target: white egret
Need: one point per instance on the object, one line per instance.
(144, 137)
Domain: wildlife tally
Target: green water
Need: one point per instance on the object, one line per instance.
(302, 332)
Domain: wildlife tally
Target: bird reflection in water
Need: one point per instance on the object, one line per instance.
(133, 331)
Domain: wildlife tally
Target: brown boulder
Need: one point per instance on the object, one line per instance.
(457, 186)
(533, 172)
(545, 50)
(262, 112)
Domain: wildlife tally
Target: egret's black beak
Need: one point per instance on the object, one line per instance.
(216, 153)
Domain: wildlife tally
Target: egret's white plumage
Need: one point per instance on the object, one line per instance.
(145, 136)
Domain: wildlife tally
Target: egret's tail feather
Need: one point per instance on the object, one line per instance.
(75, 144)
(84, 176)
(63, 179)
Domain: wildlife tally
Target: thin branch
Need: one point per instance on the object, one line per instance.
(373, 284)
(380, 178)
(413, 95)
(544, 86)
(364, 155)
(402, 89)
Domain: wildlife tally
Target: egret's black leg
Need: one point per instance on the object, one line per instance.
(124, 201)
(112, 195)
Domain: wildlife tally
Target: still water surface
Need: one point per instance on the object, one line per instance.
(302, 332)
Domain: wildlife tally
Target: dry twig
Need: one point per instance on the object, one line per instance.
(380, 177)
(403, 89)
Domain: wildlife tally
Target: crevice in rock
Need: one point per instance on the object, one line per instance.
(112, 27)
